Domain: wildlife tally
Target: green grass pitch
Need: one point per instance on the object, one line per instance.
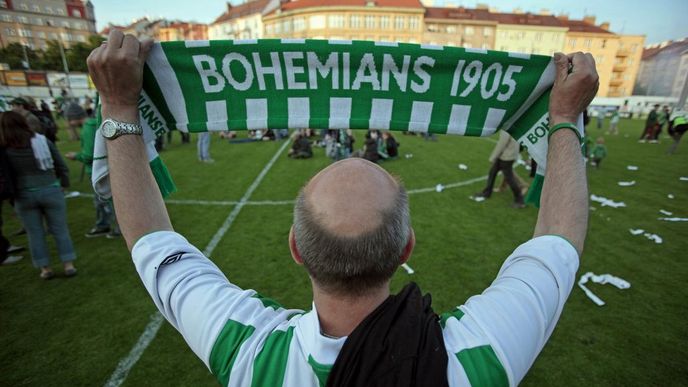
(73, 332)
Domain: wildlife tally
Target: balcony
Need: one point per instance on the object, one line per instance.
(619, 68)
(622, 52)
(616, 82)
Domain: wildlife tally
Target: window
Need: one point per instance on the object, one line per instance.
(538, 36)
(634, 47)
(399, 22)
(25, 33)
(38, 21)
(65, 24)
(299, 24)
(487, 31)
(384, 22)
(469, 31)
(572, 43)
(60, 11)
(10, 31)
(269, 29)
(53, 36)
(504, 34)
(604, 43)
(355, 21)
(485, 46)
(335, 21)
(81, 38)
(587, 43)
(23, 19)
(600, 59)
(76, 13)
(413, 23)
(3, 4)
(35, 8)
(451, 29)
(41, 35)
(49, 10)
(7, 18)
(24, 7)
(278, 28)
(317, 21)
(467, 45)
(630, 61)
(286, 25)
(433, 27)
(370, 22)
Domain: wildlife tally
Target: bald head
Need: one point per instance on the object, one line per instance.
(347, 197)
(352, 227)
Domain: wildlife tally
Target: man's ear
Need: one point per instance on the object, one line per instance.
(292, 247)
(408, 249)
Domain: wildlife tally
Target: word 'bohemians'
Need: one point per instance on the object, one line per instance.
(289, 67)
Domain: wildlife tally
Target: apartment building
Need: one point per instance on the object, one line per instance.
(243, 21)
(35, 22)
(663, 69)
(528, 33)
(177, 30)
(380, 20)
(460, 27)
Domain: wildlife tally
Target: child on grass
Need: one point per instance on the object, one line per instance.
(598, 152)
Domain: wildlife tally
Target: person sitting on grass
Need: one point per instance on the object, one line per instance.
(301, 148)
(391, 145)
(598, 152)
(351, 231)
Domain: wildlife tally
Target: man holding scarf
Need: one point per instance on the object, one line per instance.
(351, 240)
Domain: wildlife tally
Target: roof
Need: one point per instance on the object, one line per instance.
(298, 4)
(583, 26)
(459, 13)
(245, 9)
(651, 51)
(526, 19)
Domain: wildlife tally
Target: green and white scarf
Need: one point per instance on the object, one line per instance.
(198, 86)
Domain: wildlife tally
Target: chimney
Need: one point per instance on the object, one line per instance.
(544, 12)
(229, 6)
(482, 6)
(605, 26)
(564, 16)
(518, 11)
(590, 19)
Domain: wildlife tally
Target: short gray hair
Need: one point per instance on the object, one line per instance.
(350, 266)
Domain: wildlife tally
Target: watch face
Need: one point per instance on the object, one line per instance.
(109, 129)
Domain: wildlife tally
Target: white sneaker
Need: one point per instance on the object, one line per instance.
(12, 259)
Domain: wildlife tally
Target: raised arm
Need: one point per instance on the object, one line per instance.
(564, 200)
(117, 71)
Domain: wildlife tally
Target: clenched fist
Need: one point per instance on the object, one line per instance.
(575, 85)
(116, 68)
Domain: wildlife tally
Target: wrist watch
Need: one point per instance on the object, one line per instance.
(112, 129)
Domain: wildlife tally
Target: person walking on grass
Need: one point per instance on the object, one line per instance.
(502, 158)
(650, 124)
(351, 231)
(614, 123)
(41, 175)
(598, 152)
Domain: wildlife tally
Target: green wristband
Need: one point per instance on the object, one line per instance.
(565, 125)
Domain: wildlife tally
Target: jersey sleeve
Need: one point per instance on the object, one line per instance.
(214, 316)
(496, 336)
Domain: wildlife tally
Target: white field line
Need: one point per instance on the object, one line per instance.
(194, 202)
(126, 364)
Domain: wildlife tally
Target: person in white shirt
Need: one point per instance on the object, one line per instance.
(351, 240)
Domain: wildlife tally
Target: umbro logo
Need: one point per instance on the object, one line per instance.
(172, 259)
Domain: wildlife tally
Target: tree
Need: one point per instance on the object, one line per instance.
(51, 58)
(13, 55)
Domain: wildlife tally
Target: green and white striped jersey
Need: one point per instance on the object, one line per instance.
(248, 340)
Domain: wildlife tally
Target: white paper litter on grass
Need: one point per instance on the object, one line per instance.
(439, 188)
(408, 155)
(627, 183)
(683, 178)
(632, 168)
(601, 279)
(73, 194)
(477, 198)
(670, 196)
(408, 268)
(463, 167)
(674, 219)
(653, 237)
(607, 202)
(593, 208)
(665, 212)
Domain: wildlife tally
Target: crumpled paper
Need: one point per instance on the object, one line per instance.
(601, 279)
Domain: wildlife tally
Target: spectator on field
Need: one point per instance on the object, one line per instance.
(203, 147)
(301, 148)
(502, 159)
(598, 153)
(370, 151)
(21, 105)
(351, 231)
(7, 193)
(75, 116)
(106, 223)
(41, 174)
(614, 122)
(677, 128)
(650, 124)
(600, 117)
(391, 145)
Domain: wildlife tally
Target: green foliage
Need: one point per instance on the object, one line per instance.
(51, 58)
(75, 331)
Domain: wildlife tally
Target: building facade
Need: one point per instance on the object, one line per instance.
(460, 27)
(175, 31)
(381, 20)
(528, 33)
(244, 21)
(34, 22)
(663, 70)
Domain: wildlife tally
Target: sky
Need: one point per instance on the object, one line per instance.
(658, 20)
